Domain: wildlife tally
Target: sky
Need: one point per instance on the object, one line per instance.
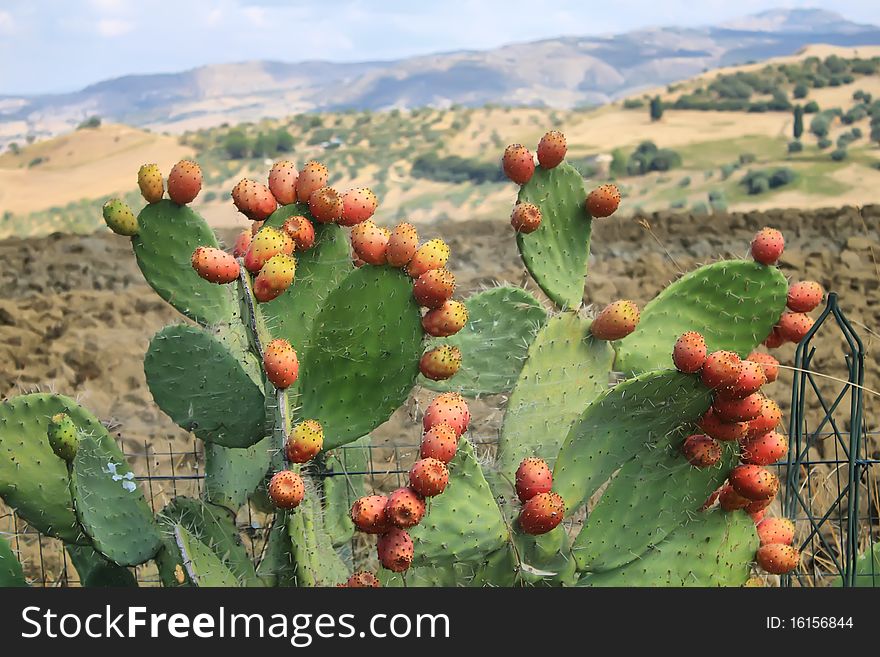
(64, 45)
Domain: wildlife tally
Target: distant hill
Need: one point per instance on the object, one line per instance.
(566, 72)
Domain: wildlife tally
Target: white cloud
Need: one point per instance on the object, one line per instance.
(7, 23)
(255, 15)
(114, 27)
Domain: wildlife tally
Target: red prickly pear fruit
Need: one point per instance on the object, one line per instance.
(777, 559)
(776, 530)
(301, 231)
(439, 442)
(214, 265)
(541, 514)
(396, 550)
(358, 205)
(793, 327)
(433, 254)
(518, 164)
(405, 508)
(756, 516)
(402, 245)
(766, 449)
(282, 181)
(713, 497)
(721, 369)
(716, 428)
(754, 482)
(242, 244)
(184, 182)
(805, 296)
(363, 580)
(774, 340)
(758, 505)
(767, 420)
(370, 242)
(304, 442)
(314, 175)
(150, 183)
(275, 277)
(281, 363)
(616, 321)
(525, 218)
(428, 477)
(440, 363)
(689, 352)
(325, 204)
(286, 489)
(433, 288)
(767, 362)
(533, 477)
(448, 408)
(253, 200)
(751, 378)
(701, 451)
(265, 244)
(738, 410)
(603, 201)
(368, 514)
(119, 217)
(446, 320)
(767, 246)
(730, 500)
(551, 149)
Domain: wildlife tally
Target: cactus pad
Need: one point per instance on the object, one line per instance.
(341, 489)
(232, 474)
(276, 566)
(317, 563)
(11, 573)
(95, 571)
(203, 567)
(546, 560)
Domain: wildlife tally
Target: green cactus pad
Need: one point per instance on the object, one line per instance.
(464, 523)
(95, 571)
(317, 563)
(867, 569)
(276, 566)
(341, 489)
(546, 560)
(33, 480)
(566, 369)
(446, 575)
(200, 385)
(203, 568)
(648, 499)
(363, 357)
(556, 254)
(501, 325)
(110, 505)
(167, 236)
(11, 573)
(215, 528)
(733, 304)
(233, 474)
(620, 423)
(715, 549)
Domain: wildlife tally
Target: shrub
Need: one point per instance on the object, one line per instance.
(455, 169)
(633, 103)
(678, 204)
(824, 143)
(700, 208)
(236, 144)
(90, 123)
(819, 125)
(800, 90)
(811, 108)
(838, 155)
(746, 158)
(684, 182)
(795, 147)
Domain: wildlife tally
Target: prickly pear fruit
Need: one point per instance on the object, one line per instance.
(184, 182)
(402, 245)
(256, 226)
(757, 516)
(446, 320)
(433, 254)
(777, 559)
(805, 296)
(518, 164)
(689, 352)
(776, 530)
(275, 277)
(754, 482)
(533, 476)
(368, 514)
(254, 200)
(758, 505)
(358, 205)
(325, 204)
(396, 550)
(730, 500)
(767, 420)
(440, 363)
(701, 451)
(265, 244)
(301, 231)
(767, 362)
(405, 508)
(713, 497)
(428, 477)
(439, 442)
(214, 265)
(433, 288)
(282, 181)
(150, 183)
(370, 242)
(721, 369)
(242, 244)
(286, 489)
(551, 149)
(314, 175)
(765, 449)
(281, 363)
(616, 321)
(363, 580)
(305, 441)
(541, 514)
(603, 201)
(718, 429)
(751, 378)
(119, 217)
(793, 327)
(448, 408)
(62, 436)
(525, 218)
(767, 246)
(774, 339)
(738, 410)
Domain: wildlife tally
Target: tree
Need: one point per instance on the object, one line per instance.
(798, 121)
(800, 90)
(656, 108)
(236, 144)
(819, 126)
(283, 141)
